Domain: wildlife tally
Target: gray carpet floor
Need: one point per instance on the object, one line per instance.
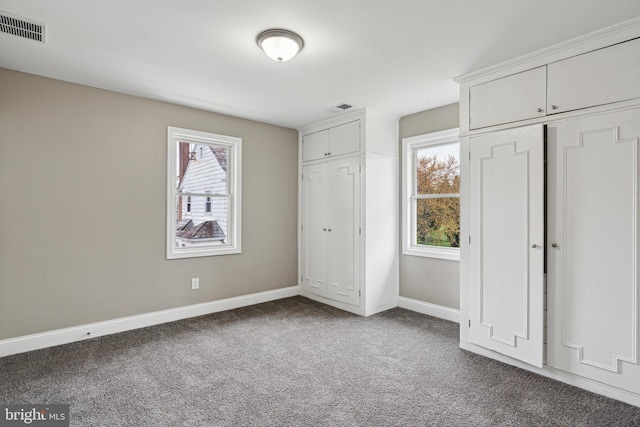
(295, 362)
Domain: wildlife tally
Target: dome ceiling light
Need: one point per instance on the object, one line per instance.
(280, 45)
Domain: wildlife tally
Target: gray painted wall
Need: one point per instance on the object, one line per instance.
(82, 196)
(430, 280)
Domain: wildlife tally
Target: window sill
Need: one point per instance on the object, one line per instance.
(193, 252)
(451, 254)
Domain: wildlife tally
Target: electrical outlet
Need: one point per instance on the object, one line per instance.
(195, 283)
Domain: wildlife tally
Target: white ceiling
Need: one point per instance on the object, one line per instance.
(393, 56)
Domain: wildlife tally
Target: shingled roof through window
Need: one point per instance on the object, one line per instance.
(221, 156)
(185, 224)
(204, 230)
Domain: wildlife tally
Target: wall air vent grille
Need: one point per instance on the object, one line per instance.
(344, 106)
(20, 27)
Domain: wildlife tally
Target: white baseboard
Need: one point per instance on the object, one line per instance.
(434, 310)
(77, 333)
(562, 376)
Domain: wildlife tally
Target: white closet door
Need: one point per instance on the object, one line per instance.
(343, 219)
(593, 248)
(506, 301)
(314, 234)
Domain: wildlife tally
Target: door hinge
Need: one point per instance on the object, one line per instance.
(469, 322)
(302, 227)
(359, 292)
(469, 155)
(302, 177)
(360, 168)
(469, 239)
(302, 278)
(360, 231)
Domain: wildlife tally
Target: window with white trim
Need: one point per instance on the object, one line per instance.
(207, 206)
(431, 195)
(203, 194)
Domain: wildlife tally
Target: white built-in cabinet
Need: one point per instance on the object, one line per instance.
(335, 141)
(549, 212)
(348, 244)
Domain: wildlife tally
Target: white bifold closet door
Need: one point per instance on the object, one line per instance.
(593, 248)
(506, 300)
(330, 238)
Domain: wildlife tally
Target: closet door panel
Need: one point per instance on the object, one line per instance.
(509, 99)
(344, 139)
(315, 146)
(507, 242)
(593, 253)
(314, 235)
(600, 77)
(343, 230)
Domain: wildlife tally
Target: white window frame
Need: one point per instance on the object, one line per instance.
(409, 196)
(233, 243)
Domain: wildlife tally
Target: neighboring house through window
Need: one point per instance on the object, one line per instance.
(204, 194)
(431, 195)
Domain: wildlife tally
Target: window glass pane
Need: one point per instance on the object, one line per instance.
(438, 222)
(438, 169)
(199, 228)
(202, 168)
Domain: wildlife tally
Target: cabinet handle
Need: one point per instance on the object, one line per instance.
(329, 229)
(534, 246)
(554, 245)
(328, 154)
(324, 229)
(540, 110)
(554, 107)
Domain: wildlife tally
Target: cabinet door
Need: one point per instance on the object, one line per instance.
(343, 224)
(314, 234)
(593, 294)
(344, 139)
(509, 99)
(507, 242)
(315, 145)
(595, 78)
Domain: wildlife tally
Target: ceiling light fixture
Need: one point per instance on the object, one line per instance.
(280, 45)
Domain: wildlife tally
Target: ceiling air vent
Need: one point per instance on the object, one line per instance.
(20, 27)
(340, 108)
(344, 106)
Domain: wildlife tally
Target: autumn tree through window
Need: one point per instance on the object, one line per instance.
(431, 184)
